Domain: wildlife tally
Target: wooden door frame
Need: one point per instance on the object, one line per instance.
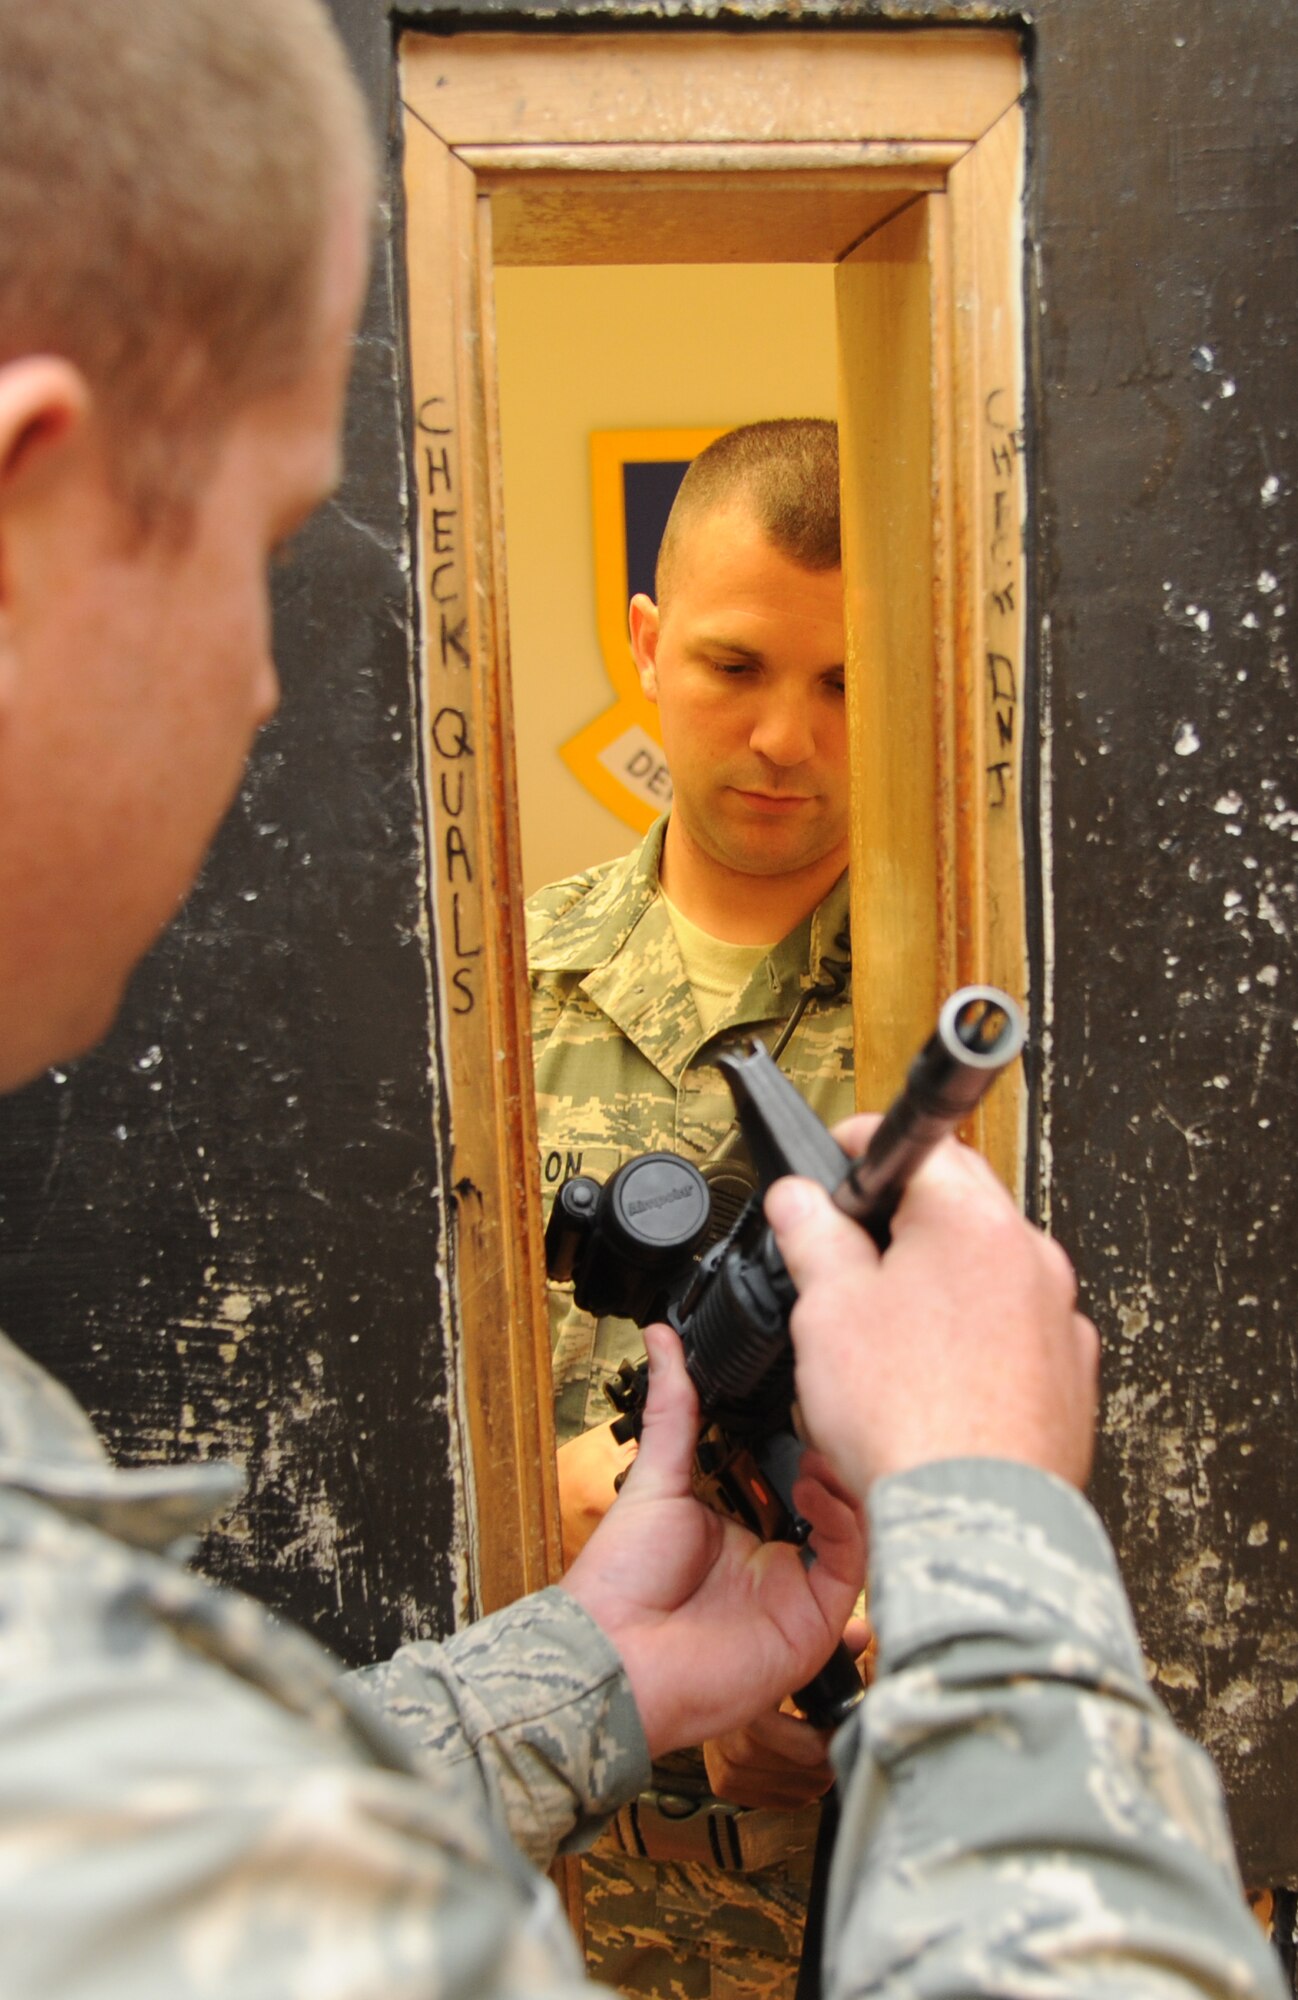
(899, 157)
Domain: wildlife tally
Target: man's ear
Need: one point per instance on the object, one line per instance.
(44, 402)
(643, 621)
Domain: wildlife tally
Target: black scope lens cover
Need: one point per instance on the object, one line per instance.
(656, 1202)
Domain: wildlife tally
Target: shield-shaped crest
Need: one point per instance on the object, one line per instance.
(634, 476)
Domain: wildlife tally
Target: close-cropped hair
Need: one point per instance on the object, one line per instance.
(785, 471)
(168, 170)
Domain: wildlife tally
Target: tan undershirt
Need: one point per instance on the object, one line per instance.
(717, 971)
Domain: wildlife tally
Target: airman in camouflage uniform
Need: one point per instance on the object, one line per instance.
(743, 655)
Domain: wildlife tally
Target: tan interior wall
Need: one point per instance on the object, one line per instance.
(619, 348)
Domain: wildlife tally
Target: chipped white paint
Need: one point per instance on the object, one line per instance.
(1267, 582)
(1133, 1320)
(1174, 1675)
(1196, 1574)
(1046, 825)
(1229, 802)
(463, 1562)
(1270, 913)
(1259, 1534)
(1187, 740)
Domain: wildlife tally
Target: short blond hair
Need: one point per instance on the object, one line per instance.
(167, 173)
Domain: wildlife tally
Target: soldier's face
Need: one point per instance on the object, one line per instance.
(745, 664)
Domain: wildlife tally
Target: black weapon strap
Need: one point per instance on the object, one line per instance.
(813, 1930)
(834, 972)
(727, 1169)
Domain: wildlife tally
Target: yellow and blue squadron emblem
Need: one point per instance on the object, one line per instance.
(634, 476)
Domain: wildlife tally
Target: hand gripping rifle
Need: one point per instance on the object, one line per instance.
(638, 1247)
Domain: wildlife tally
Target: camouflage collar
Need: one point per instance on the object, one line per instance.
(596, 925)
(819, 942)
(644, 990)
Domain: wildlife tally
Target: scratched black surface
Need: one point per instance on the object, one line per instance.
(1167, 406)
(1163, 401)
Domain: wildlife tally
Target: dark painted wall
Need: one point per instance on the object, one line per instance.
(1163, 405)
(1163, 212)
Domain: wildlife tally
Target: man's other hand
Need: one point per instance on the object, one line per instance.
(961, 1340)
(780, 1759)
(713, 1626)
(588, 1467)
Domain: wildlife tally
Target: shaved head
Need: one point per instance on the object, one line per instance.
(783, 472)
(168, 173)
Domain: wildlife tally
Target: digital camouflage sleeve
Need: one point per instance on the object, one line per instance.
(1020, 1816)
(195, 1801)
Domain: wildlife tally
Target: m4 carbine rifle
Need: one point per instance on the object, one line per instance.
(638, 1246)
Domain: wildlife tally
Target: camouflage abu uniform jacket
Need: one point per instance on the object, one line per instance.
(623, 1066)
(194, 1803)
(1020, 1817)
